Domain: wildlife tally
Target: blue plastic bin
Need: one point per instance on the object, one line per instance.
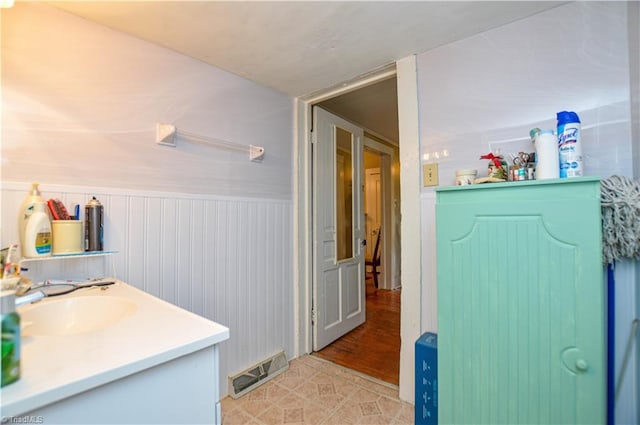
(426, 401)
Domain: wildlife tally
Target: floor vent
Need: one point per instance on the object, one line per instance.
(243, 382)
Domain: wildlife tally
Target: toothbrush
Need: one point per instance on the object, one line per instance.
(7, 265)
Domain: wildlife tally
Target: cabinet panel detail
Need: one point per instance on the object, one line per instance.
(520, 312)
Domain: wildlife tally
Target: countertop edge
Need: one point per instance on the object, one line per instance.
(30, 403)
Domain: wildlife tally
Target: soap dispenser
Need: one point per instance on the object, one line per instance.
(27, 208)
(37, 234)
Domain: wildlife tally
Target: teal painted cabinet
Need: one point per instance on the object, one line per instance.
(521, 335)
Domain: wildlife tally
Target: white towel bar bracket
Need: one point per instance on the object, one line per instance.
(166, 135)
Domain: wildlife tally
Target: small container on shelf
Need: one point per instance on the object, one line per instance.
(465, 177)
(67, 237)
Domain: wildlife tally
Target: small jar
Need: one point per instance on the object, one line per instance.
(465, 177)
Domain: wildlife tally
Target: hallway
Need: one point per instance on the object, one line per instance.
(372, 348)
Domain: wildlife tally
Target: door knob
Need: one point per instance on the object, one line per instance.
(573, 359)
(582, 365)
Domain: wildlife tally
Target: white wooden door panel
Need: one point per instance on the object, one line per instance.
(338, 226)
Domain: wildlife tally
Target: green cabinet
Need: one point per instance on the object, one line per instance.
(521, 336)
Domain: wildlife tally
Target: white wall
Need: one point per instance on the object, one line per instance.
(81, 101)
(201, 227)
(488, 91)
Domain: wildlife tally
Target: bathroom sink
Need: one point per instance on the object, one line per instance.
(74, 315)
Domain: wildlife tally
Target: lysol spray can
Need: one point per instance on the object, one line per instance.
(569, 146)
(93, 227)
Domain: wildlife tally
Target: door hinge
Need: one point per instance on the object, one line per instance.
(313, 316)
(311, 137)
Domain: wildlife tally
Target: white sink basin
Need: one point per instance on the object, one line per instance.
(68, 316)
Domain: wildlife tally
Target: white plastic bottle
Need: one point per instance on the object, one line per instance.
(37, 234)
(25, 211)
(547, 159)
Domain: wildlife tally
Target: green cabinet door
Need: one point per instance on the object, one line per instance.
(521, 303)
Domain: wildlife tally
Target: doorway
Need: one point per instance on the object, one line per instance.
(373, 348)
(415, 292)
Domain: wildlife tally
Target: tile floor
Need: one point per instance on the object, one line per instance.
(314, 391)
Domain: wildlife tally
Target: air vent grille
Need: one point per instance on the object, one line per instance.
(256, 375)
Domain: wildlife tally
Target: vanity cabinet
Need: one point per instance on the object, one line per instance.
(157, 364)
(181, 391)
(521, 327)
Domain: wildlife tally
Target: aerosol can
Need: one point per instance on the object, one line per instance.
(93, 225)
(569, 144)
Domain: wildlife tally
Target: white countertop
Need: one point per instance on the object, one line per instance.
(57, 367)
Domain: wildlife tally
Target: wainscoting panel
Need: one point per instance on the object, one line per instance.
(227, 259)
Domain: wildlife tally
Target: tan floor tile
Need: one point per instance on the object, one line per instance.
(375, 420)
(362, 395)
(236, 417)
(291, 400)
(322, 377)
(346, 414)
(339, 385)
(326, 366)
(344, 374)
(303, 369)
(294, 410)
(275, 391)
(380, 388)
(259, 393)
(345, 387)
(272, 416)
(314, 414)
(312, 361)
(406, 414)
(255, 407)
(388, 406)
(257, 400)
(228, 404)
(293, 415)
(369, 408)
(323, 394)
(317, 392)
(296, 375)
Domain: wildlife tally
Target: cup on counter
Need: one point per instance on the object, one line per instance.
(465, 177)
(67, 236)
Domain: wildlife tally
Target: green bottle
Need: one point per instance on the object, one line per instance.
(10, 338)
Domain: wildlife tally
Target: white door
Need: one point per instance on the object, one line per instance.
(338, 228)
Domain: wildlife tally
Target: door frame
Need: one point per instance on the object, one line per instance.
(410, 323)
(390, 276)
(372, 201)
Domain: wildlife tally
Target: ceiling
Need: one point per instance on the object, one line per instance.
(374, 107)
(304, 47)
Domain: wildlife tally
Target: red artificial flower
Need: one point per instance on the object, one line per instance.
(496, 159)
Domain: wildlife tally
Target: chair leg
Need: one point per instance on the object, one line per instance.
(375, 277)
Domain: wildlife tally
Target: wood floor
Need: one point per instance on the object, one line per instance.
(372, 348)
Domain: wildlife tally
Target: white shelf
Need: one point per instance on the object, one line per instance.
(67, 256)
